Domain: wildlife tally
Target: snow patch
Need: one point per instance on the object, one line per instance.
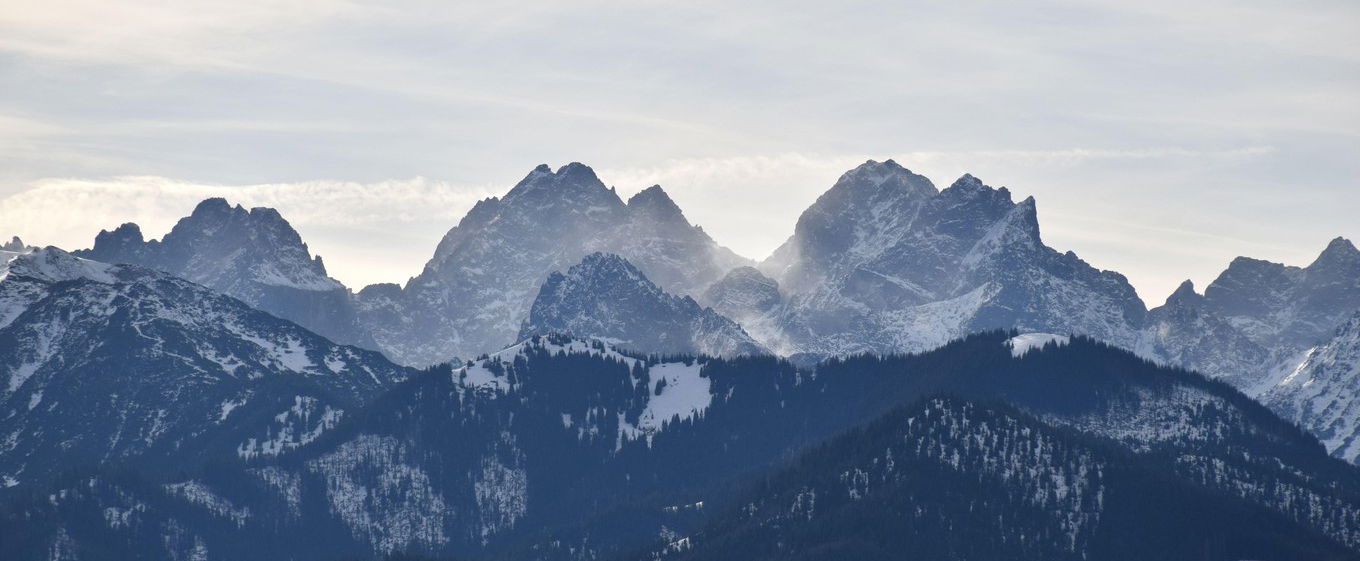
(199, 494)
(1024, 343)
(684, 394)
(300, 424)
(228, 406)
(54, 265)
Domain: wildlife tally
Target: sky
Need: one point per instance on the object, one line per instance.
(1161, 139)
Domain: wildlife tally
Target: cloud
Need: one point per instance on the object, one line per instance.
(367, 232)
(214, 34)
(751, 203)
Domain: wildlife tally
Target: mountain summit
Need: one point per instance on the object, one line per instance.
(254, 255)
(477, 289)
(883, 262)
(605, 297)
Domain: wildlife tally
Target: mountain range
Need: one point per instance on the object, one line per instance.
(477, 289)
(252, 255)
(560, 448)
(124, 364)
(883, 262)
(573, 376)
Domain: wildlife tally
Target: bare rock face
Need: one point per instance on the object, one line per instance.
(252, 255)
(1277, 304)
(1279, 333)
(477, 290)
(883, 262)
(605, 297)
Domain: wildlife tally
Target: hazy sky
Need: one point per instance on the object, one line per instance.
(1161, 139)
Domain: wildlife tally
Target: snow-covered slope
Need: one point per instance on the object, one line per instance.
(883, 262)
(477, 289)
(951, 479)
(564, 449)
(1275, 332)
(1186, 332)
(105, 363)
(1323, 392)
(659, 391)
(8, 252)
(605, 297)
(252, 255)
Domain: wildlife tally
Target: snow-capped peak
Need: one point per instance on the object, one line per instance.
(54, 265)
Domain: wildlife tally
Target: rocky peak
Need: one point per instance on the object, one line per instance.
(1339, 254)
(742, 291)
(1015, 236)
(572, 181)
(14, 244)
(874, 201)
(604, 265)
(477, 289)
(253, 255)
(606, 297)
(216, 206)
(971, 210)
(382, 290)
(749, 276)
(1241, 265)
(969, 187)
(1027, 218)
(887, 172)
(1331, 284)
(116, 246)
(1247, 281)
(1185, 295)
(968, 182)
(654, 204)
(1288, 307)
(577, 172)
(877, 182)
(216, 231)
